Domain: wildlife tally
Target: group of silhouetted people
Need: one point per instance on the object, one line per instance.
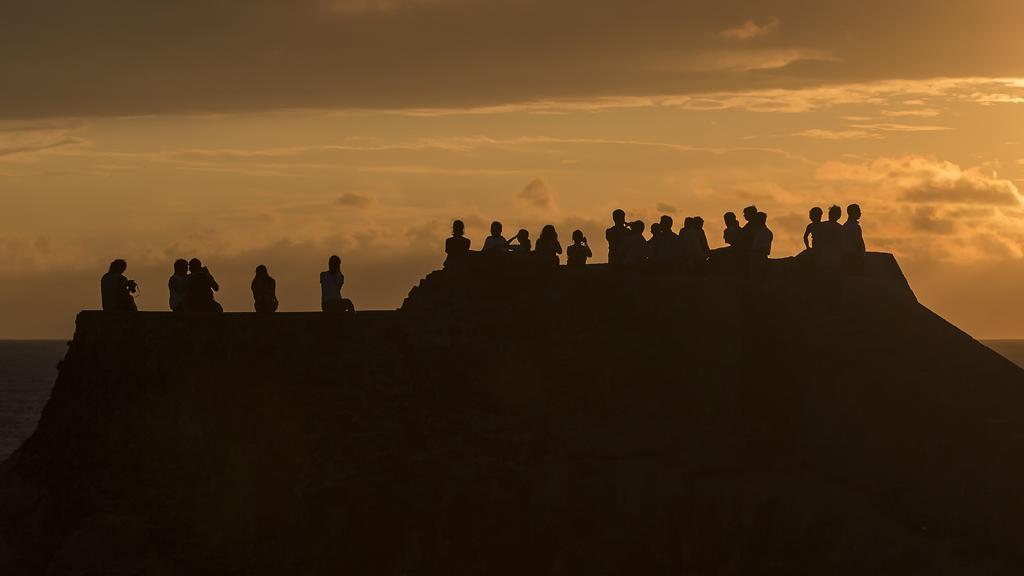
(831, 245)
(665, 250)
(546, 252)
(191, 289)
(747, 245)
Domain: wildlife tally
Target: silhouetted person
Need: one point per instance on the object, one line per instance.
(199, 289)
(579, 251)
(733, 233)
(616, 237)
(264, 291)
(548, 248)
(331, 281)
(695, 243)
(634, 247)
(176, 285)
(761, 246)
(853, 240)
(749, 226)
(116, 290)
(654, 230)
(522, 245)
(815, 215)
(828, 240)
(495, 243)
(456, 247)
(664, 247)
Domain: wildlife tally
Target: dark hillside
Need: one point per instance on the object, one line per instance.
(519, 421)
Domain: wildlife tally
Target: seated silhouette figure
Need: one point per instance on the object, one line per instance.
(579, 251)
(457, 246)
(616, 237)
(199, 289)
(264, 291)
(116, 290)
(548, 248)
(495, 243)
(520, 244)
(853, 240)
(331, 281)
(733, 233)
(176, 285)
(815, 216)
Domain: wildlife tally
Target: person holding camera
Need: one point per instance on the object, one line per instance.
(199, 289)
(579, 251)
(116, 290)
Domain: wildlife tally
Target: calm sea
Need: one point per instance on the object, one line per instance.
(29, 368)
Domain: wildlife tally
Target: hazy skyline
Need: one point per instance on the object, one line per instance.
(278, 133)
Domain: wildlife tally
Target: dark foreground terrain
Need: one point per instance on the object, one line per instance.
(531, 422)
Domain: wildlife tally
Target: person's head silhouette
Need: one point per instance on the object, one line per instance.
(619, 217)
(665, 224)
(698, 222)
(688, 222)
(815, 214)
(731, 220)
(334, 264)
(261, 271)
(637, 227)
(118, 266)
(523, 235)
(749, 213)
(548, 232)
(577, 236)
(181, 266)
(458, 228)
(853, 212)
(835, 213)
(195, 265)
(655, 228)
(761, 218)
(495, 228)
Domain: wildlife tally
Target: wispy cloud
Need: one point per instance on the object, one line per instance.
(751, 29)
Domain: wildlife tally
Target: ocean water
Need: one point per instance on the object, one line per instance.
(27, 372)
(29, 368)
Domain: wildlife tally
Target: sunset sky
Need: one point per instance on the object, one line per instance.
(279, 132)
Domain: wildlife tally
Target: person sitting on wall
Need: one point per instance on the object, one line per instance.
(579, 251)
(199, 289)
(495, 243)
(749, 228)
(548, 247)
(176, 285)
(616, 237)
(457, 246)
(733, 233)
(331, 281)
(264, 291)
(853, 241)
(522, 244)
(116, 290)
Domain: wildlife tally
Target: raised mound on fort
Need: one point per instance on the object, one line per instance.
(521, 421)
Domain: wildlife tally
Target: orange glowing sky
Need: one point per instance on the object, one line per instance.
(279, 132)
